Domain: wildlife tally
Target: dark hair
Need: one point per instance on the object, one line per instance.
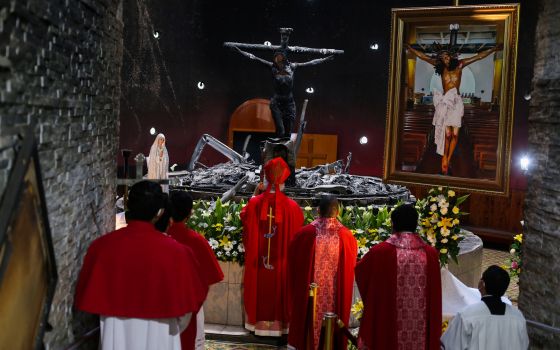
(440, 66)
(328, 204)
(145, 199)
(163, 222)
(181, 205)
(496, 280)
(404, 218)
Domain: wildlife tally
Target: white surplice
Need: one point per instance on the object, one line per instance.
(118, 333)
(475, 328)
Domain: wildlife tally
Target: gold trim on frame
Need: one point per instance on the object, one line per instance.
(508, 15)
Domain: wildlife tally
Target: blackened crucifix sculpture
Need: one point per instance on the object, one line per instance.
(282, 104)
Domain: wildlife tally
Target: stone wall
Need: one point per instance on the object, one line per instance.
(540, 280)
(60, 65)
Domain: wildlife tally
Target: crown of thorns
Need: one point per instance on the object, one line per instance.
(438, 50)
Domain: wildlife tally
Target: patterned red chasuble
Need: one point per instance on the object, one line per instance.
(411, 284)
(325, 268)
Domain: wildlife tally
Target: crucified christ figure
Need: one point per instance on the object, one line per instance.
(282, 104)
(448, 105)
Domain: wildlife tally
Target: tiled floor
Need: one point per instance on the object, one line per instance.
(498, 257)
(218, 345)
(489, 257)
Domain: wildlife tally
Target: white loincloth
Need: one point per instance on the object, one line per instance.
(449, 112)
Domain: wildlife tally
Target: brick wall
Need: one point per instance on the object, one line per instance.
(540, 280)
(60, 65)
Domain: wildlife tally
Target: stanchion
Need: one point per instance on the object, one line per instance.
(311, 316)
(329, 321)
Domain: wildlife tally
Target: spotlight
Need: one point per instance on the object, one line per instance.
(267, 43)
(374, 46)
(152, 131)
(363, 140)
(156, 34)
(524, 163)
(310, 90)
(200, 85)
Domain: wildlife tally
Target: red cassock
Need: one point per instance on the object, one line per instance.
(265, 290)
(138, 272)
(210, 270)
(301, 274)
(396, 312)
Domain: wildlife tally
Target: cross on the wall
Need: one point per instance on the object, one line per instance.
(310, 156)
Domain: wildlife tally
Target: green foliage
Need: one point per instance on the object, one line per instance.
(220, 223)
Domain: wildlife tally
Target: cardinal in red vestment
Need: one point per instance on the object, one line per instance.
(323, 252)
(270, 220)
(400, 284)
(210, 271)
(140, 281)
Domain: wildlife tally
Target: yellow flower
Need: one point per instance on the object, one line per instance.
(218, 226)
(371, 230)
(357, 309)
(353, 232)
(451, 193)
(362, 242)
(519, 238)
(455, 237)
(455, 221)
(224, 241)
(445, 222)
(443, 251)
(444, 240)
(445, 232)
(426, 222)
(444, 326)
(433, 199)
(308, 208)
(455, 210)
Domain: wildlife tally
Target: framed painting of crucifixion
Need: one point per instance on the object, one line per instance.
(451, 94)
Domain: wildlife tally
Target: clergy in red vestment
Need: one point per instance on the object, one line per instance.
(270, 220)
(144, 285)
(210, 271)
(323, 252)
(400, 284)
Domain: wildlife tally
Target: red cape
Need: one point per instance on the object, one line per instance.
(210, 270)
(376, 277)
(301, 261)
(137, 272)
(253, 230)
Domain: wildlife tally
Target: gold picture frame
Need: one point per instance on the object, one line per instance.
(467, 143)
(28, 272)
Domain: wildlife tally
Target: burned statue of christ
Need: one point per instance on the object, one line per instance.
(282, 104)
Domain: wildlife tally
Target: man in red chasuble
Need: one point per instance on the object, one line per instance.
(323, 252)
(210, 271)
(270, 220)
(144, 285)
(400, 284)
